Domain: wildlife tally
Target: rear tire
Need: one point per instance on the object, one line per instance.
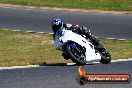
(105, 57)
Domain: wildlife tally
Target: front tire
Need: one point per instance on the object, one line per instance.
(77, 53)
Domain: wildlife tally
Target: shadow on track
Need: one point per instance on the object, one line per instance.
(60, 64)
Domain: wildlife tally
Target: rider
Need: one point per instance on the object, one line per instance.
(58, 23)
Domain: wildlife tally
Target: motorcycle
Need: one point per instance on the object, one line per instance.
(79, 49)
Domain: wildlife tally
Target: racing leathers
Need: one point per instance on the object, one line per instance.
(82, 31)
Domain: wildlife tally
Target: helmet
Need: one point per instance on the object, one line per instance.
(56, 24)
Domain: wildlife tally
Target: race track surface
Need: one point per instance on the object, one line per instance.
(61, 76)
(39, 20)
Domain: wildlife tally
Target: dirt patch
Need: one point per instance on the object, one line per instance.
(68, 9)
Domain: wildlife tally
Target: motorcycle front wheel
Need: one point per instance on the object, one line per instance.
(76, 52)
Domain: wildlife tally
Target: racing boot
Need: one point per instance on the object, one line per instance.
(93, 39)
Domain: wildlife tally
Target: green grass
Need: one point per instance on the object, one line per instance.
(122, 5)
(21, 48)
(119, 49)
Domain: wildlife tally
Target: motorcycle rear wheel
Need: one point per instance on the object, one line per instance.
(105, 57)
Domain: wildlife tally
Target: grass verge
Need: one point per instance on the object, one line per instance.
(122, 5)
(22, 48)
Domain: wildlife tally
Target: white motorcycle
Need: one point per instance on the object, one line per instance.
(79, 49)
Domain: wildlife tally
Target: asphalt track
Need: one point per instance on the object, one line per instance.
(61, 76)
(39, 20)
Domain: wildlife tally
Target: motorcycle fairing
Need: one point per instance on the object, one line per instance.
(68, 35)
